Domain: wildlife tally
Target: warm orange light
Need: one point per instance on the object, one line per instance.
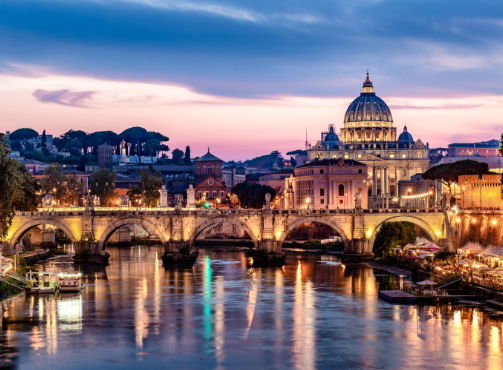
(494, 222)
(473, 220)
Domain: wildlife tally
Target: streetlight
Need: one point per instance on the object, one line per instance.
(307, 201)
(408, 191)
(345, 195)
(218, 201)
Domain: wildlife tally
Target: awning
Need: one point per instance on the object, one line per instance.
(426, 282)
(465, 261)
(492, 251)
(471, 248)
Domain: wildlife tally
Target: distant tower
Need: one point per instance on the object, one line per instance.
(306, 140)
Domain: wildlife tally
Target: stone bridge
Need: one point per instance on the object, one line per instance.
(267, 228)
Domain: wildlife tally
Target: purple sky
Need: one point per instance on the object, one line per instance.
(248, 77)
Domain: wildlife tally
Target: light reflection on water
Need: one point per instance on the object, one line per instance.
(222, 314)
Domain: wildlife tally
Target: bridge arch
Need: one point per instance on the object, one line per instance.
(213, 222)
(27, 226)
(321, 220)
(412, 219)
(126, 221)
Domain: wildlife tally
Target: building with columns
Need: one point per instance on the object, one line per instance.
(326, 184)
(369, 137)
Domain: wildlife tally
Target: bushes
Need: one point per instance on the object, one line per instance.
(392, 235)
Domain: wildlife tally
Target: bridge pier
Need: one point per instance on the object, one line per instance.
(175, 246)
(269, 245)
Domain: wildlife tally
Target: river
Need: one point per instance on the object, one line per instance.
(314, 313)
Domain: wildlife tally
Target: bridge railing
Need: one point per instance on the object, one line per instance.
(164, 211)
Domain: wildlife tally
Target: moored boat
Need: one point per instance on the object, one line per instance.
(39, 283)
(70, 280)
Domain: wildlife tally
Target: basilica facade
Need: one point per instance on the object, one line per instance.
(369, 137)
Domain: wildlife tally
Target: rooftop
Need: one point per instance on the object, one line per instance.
(332, 162)
(208, 157)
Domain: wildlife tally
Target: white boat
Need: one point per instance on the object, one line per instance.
(70, 280)
(39, 282)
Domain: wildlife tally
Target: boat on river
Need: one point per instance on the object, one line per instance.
(69, 280)
(40, 282)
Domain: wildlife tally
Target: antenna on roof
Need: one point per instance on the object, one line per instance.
(306, 140)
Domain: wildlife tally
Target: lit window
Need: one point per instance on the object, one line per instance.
(359, 155)
(404, 155)
(392, 155)
(346, 156)
(419, 155)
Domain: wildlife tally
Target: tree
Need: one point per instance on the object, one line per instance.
(73, 190)
(137, 136)
(36, 155)
(103, 185)
(44, 139)
(27, 195)
(53, 181)
(8, 184)
(148, 190)
(393, 235)
(252, 195)
(23, 135)
(66, 189)
(82, 162)
(448, 173)
(293, 162)
(177, 156)
(187, 156)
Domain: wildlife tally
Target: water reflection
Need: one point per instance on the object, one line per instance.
(313, 313)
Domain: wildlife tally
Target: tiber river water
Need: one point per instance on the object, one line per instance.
(221, 314)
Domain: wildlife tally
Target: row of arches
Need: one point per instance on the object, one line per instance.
(280, 237)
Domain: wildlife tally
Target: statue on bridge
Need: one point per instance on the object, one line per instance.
(178, 202)
(358, 201)
(123, 200)
(268, 201)
(47, 201)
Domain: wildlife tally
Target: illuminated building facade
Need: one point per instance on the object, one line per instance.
(369, 137)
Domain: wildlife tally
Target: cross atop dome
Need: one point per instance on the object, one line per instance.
(367, 85)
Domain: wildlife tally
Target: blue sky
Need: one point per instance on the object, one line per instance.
(264, 49)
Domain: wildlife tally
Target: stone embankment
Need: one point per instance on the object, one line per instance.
(36, 255)
(393, 270)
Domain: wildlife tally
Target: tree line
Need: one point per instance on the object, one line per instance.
(83, 147)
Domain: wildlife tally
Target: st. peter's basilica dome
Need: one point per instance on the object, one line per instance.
(368, 107)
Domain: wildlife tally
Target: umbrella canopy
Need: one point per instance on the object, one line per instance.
(431, 246)
(426, 282)
(411, 246)
(471, 248)
(465, 261)
(492, 251)
(484, 268)
(421, 241)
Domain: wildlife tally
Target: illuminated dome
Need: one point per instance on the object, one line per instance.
(405, 136)
(330, 135)
(368, 107)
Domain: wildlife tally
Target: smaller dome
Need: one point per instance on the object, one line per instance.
(405, 136)
(331, 135)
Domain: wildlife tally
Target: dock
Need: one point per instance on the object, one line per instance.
(397, 296)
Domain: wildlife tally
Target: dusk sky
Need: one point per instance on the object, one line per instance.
(247, 77)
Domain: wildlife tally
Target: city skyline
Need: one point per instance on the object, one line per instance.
(248, 78)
